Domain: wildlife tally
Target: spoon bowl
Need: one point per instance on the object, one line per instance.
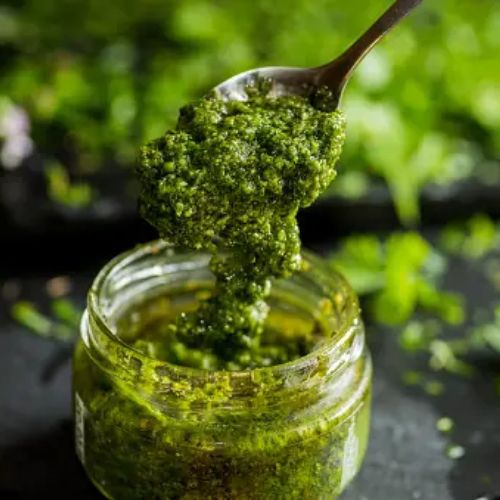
(334, 75)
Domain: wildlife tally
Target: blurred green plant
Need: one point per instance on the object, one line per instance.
(61, 190)
(471, 239)
(63, 325)
(400, 274)
(101, 78)
(400, 279)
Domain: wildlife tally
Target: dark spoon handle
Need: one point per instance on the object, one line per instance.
(336, 73)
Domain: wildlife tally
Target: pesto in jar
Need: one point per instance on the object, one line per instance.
(147, 429)
(230, 179)
(240, 374)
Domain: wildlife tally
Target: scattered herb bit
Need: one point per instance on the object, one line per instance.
(417, 335)
(442, 357)
(444, 425)
(484, 334)
(61, 190)
(413, 378)
(472, 239)
(490, 334)
(66, 312)
(28, 315)
(434, 388)
(449, 306)
(455, 452)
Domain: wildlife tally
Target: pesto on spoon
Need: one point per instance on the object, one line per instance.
(230, 178)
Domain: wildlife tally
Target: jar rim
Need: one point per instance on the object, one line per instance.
(346, 330)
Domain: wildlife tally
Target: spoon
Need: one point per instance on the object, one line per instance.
(334, 75)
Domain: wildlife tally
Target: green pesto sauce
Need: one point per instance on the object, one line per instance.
(230, 179)
(159, 438)
(146, 328)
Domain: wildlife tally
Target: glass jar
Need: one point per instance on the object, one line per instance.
(147, 429)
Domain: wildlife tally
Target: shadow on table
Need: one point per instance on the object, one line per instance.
(474, 408)
(472, 404)
(477, 418)
(45, 467)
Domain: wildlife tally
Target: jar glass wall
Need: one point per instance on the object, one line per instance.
(148, 429)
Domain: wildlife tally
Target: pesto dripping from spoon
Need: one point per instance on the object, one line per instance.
(333, 75)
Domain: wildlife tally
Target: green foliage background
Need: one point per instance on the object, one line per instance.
(99, 78)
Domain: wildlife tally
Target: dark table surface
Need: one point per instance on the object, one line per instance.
(406, 458)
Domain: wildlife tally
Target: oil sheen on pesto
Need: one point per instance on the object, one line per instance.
(230, 179)
(153, 431)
